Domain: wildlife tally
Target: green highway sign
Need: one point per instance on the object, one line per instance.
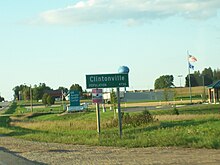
(107, 81)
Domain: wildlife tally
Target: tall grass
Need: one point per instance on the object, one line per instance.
(193, 109)
(197, 127)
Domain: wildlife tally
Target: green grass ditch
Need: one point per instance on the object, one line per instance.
(201, 131)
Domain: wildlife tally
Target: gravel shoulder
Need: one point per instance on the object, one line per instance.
(54, 153)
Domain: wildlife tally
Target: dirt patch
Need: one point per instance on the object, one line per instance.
(54, 153)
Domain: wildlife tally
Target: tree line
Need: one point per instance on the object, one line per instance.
(2, 99)
(204, 78)
(24, 92)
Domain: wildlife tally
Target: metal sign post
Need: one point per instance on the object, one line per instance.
(119, 113)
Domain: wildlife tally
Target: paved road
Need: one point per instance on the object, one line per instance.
(8, 158)
(4, 105)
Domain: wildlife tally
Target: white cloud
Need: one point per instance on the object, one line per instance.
(130, 11)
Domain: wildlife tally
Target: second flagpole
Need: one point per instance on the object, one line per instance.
(190, 90)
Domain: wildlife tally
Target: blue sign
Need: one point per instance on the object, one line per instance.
(74, 98)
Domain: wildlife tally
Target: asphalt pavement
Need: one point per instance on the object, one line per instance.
(4, 105)
(9, 158)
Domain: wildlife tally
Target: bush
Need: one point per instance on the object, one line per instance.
(47, 99)
(175, 111)
(44, 98)
(50, 100)
(133, 120)
(139, 119)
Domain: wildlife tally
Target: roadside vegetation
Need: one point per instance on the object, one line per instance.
(191, 126)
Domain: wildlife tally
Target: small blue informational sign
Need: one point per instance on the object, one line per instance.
(74, 98)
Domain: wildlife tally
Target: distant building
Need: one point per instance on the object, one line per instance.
(148, 96)
(142, 95)
(214, 92)
(57, 94)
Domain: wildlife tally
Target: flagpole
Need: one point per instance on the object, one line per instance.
(190, 90)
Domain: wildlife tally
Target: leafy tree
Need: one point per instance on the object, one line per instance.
(216, 75)
(44, 98)
(65, 90)
(165, 81)
(38, 91)
(195, 79)
(50, 100)
(2, 99)
(76, 87)
(18, 91)
(113, 98)
(192, 81)
(47, 99)
(26, 93)
(208, 75)
(23, 91)
(166, 94)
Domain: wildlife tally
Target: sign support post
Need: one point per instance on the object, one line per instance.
(97, 98)
(96, 81)
(119, 113)
(98, 118)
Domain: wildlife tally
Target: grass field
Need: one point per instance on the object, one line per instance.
(194, 126)
(184, 92)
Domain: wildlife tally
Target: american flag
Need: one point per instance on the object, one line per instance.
(192, 58)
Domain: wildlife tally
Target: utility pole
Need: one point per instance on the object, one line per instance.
(203, 83)
(31, 99)
(119, 113)
(30, 95)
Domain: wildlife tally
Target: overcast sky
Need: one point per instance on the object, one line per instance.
(59, 42)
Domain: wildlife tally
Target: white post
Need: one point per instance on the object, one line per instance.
(98, 118)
